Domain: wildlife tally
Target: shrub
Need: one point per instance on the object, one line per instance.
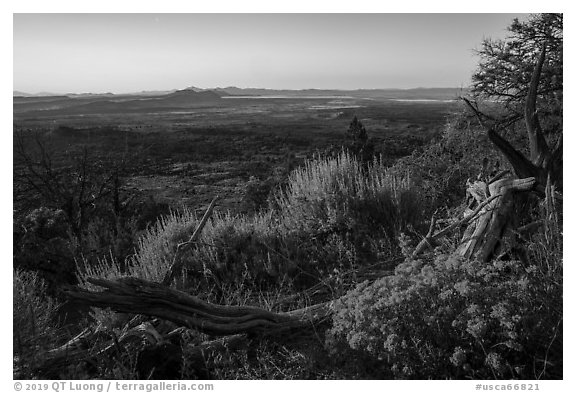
(255, 197)
(456, 318)
(155, 251)
(441, 169)
(339, 195)
(34, 320)
(42, 243)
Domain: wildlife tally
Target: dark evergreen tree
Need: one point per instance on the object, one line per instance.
(359, 144)
(357, 131)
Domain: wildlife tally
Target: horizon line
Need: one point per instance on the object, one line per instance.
(55, 93)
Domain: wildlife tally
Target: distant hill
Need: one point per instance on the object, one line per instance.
(16, 93)
(153, 92)
(186, 96)
(110, 103)
(196, 89)
(89, 95)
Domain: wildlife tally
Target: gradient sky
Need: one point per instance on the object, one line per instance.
(74, 53)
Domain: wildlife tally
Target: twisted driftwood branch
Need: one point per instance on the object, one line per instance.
(137, 296)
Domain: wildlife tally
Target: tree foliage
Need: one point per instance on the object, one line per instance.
(506, 66)
(356, 131)
(359, 145)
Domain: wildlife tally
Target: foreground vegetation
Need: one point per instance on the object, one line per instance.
(336, 225)
(341, 227)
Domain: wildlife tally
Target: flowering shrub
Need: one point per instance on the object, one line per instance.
(455, 319)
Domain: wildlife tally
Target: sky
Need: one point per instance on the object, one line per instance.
(120, 53)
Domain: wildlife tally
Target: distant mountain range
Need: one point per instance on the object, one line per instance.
(251, 91)
(114, 103)
(417, 93)
(194, 97)
(17, 93)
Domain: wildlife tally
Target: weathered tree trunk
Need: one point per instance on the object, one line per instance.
(485, 232)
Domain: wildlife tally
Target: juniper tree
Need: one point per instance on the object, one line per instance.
(359, 144)
(506, 67)
(523, 76)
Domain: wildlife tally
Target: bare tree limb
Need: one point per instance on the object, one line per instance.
(522, 166)
(177, 263)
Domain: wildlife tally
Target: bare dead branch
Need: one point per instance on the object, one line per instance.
(176, 262)
(479, 115)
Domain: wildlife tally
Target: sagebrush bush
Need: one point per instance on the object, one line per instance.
(339, 194)
(456, 318)
(154, 254)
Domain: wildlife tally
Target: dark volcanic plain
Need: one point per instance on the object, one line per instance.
(185, 146)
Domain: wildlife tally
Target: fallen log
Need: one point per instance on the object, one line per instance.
(137, 296)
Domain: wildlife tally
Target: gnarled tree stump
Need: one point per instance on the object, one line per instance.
(486, 230)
